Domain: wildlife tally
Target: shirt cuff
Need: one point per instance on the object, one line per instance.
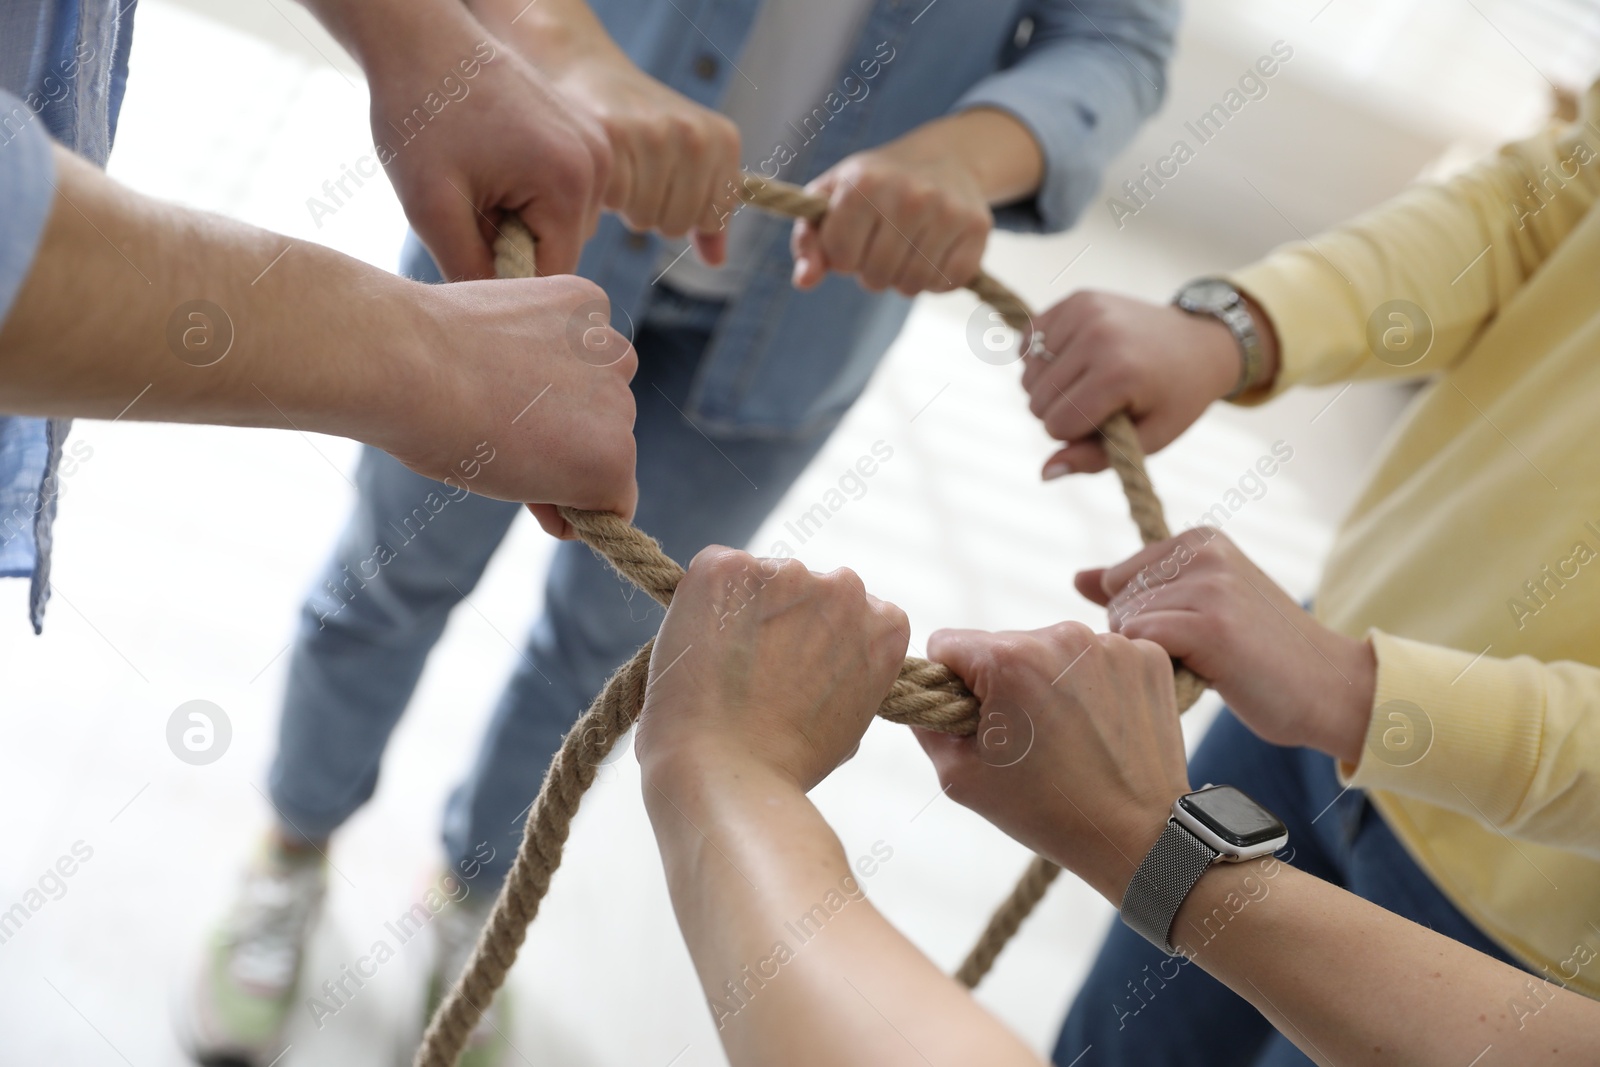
(26, 173)
(1452, 728)
(1314, 327)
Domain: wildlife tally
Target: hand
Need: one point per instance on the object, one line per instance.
(675, 164)
(1106, 761)
(762, 660)
(1114, 353)
(511, 411)
(1289, 678)
(504, 142)
(908, 215)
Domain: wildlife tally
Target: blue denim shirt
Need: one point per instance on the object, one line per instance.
(63, 66)
(1080, 74)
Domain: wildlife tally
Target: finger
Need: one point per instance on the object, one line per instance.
(1080, 457)
(558, 233)
(933, 272)
(1177, 632)
(1059, 374)
(896, 619)
(650, 191)
(810, 262)
(848, 229)
(712, 247)
(1059, 326)
(1087, 583)
(449, 225)
(689, 197)
(551, 521)
(960, 650)
(964, 260)
(1163, 559)
(620, 189)
(1080, 408)
(886, 251)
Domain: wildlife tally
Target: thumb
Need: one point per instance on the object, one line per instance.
(945, 751)
(552, 522)
(1090, 584)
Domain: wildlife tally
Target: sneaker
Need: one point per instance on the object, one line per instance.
(235, 1013)
(455, 934)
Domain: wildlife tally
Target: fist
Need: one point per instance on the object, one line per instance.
(1104, 354)
(1092, 755)
(899, 217)
(1289, 678)
(762, 660)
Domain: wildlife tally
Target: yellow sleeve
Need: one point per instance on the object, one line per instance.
(1513, 743)
(1457, 251)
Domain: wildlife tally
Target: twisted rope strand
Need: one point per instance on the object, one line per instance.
(926, 694)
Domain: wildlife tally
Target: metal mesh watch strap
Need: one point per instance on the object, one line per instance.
(1170, 869)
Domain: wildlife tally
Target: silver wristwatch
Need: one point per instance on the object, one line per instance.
(1217, 822)
(1218, 298)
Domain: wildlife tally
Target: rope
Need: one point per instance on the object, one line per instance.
(926, 694)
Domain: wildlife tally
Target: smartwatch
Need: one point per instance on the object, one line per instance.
(1218, 298)
(1215, 823)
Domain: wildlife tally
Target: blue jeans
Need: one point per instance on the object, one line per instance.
(364, 636)
(1130, 1014)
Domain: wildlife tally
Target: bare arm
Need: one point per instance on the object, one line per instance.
(1361, 985)
(746, 710)
(1345, 980)
(142, 309)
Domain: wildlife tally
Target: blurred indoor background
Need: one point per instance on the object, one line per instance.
(183, 553)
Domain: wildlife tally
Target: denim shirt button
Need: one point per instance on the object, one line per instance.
(706, 66)
(638, 241)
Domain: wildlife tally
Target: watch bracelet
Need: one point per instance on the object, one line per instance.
(1159, 887)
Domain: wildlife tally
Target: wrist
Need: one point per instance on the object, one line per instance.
(686, 778)
(554, 35)
(1342, 726)
(411, 395)
(1110, 869)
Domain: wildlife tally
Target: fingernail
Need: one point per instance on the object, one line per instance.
(1056, 468)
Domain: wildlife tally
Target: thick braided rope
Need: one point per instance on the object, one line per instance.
(926, 694)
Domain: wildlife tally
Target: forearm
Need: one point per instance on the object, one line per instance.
(402, 36)
(318, 340)
(1351, 983)
(798, 966)
(998, 150)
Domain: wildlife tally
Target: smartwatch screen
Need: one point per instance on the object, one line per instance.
(1232, 816)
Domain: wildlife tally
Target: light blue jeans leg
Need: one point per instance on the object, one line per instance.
(368, 626)
(366, 631)
(695, 490)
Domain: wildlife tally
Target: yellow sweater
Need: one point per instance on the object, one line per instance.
(1472, 557)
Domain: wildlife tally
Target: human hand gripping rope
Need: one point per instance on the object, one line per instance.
(926, 694)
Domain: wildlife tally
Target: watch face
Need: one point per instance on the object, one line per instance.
(1208, 294)
(1232, 816)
